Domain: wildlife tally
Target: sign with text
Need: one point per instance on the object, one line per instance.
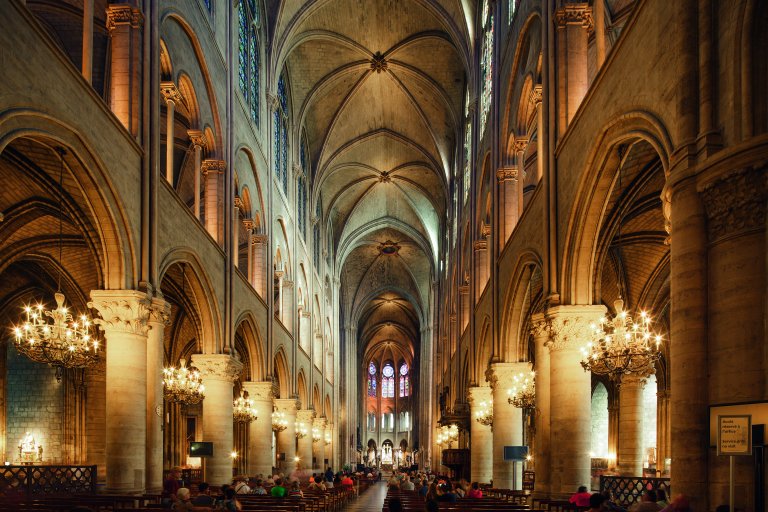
(734, 434)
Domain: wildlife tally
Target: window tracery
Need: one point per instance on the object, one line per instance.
(486, 66)
(280, 127)
(248, 56)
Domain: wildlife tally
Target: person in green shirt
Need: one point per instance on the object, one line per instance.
(278, 491)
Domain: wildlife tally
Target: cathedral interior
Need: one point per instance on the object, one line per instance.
(514, 241)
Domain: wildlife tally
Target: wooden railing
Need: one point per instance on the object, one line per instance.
(627, 490)
(48, 479)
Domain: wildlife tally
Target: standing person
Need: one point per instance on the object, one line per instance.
(329, 474)
(171, 486)
(581, 497)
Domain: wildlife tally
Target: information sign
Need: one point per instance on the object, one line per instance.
(734, 434)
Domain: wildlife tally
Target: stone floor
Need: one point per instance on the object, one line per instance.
(371, 500)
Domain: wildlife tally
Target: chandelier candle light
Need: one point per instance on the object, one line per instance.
(279, 423)
(484, 415)
(243, 410)
(523, 392)
(182, 384)
(301, 431)
(315, 435)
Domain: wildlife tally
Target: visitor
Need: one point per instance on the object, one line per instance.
(394, 482)
(259, 489)
(431, 506)
(317, 485)
(328, 482)
(407, 485)
(662, 501)
(171, 485)
(203, 498)
(312, 478)
(581, 497)
(475, 492)
(423, 488)
(329, 474)
(647, 503)
(241, 485)
(445, 493)
(230, 503)
(433, 491)
(223, 495)
(182, 503)
(395, 505)
(459, 490)
(596, 503)
(347, 483)
(295, 491)
(609, 505)
(278, 491)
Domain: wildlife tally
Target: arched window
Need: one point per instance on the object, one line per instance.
(600, 421)
(486, 66)
(280, 120)
(405, 386)
(316, 249)
(511, 10)
(371, 422)
(372, 380)
(248, 55)
(388, 382)
(301, 193)
(467, 148)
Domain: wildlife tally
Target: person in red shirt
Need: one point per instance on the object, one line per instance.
(581, 498)
(475, 491)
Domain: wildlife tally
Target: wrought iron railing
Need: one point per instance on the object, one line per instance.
(48, 479)
(627, 490)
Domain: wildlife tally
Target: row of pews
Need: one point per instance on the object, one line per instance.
(493, 500)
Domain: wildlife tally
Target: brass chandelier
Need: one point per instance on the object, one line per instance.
(522, 395)
(301, 431)
(243, 410)
(57, 337)
(279, 423)
(484, 415)
(183, 385)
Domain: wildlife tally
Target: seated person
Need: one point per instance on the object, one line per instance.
(241, 485)
(203, 498)
(182, 503)
(581, 497)
(474, 491)
(295, 491)
(278, 491)
(647, 503)
(259, 489)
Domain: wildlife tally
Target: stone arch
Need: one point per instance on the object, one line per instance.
(252, 345)
(327, 411)
(281, 374)
(484, 350)
(317, 401)
(301, 390)
(516, 310)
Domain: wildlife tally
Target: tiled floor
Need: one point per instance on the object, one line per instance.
(370, 501)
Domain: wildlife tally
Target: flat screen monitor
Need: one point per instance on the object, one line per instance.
(198, 449)
(515, 452)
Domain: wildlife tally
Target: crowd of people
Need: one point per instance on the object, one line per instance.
(650, 501)
(433, 488)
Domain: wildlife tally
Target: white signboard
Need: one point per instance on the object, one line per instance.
(734, 434)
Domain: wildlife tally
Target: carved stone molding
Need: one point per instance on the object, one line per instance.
(298, 172)
(632, 380)
(259, 239)
(540, 326)
(287, 283)
(575, 14)
(570, 326)
(287, 405)
(535, 96)
(272, 101)
(378, 63)
(385, 177)
(481, 245)
(485, 230)
(506, 174)
(736, 203)
(123, 14)
(520, 144)
(503, 374)
(160, 311)
(464, 289)
(211, 166)
(217, 366)
(121, 311)
(471, 108)
(259, 391)
(248, 224)
(479, 394)
(170, 92)
(238, 203)
(196, 138)
(306, 416)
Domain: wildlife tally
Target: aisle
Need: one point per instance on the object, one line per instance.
(371, 500)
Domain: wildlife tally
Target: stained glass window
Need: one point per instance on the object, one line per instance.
(316, 236)
(467, 148)
(405, 387)
(372, 369)
(208, 5)
(388, 382)
(242, 49)
(281, 135)
(254, 88)
(486, 67)
(248, 68)
(511, 10)
(372, 386)
(277, 123)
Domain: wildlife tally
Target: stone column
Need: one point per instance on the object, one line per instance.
(570, 398)
(318, 446)
(260, 429)
(613, 428)
(481, 444)
(172, 96)
(279, 275)
(286, 440)
(238, 205)
(124, 24)
(542, 452)
(218, 372)
(260, 264)
(630, 456)
(521, 144)
(328, 451)
(159, 317)
(198, 145)
(507, 424)
(305, 418)
(211, 170)
(662, 430)
(248, 224)
(510, 210)
(481, 265)
(124, 315)
(574, 24)
(464, 307)
(87, 53)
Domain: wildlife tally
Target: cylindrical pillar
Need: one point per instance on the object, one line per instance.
(198, 144)
(541, 454)
(124, 315)
(158, 319)
(218, 372)
(171, 95)
(570, 396)
(305, 419)
(286, 440)
(630, 456)
(507, 424)
(260, 429)
(318, 446)
(481, 444)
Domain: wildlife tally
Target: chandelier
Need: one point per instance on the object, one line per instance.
(244, 411)
(447, 435)
(327, 439)
(315, 435)
(621, 345)
(56, 337)
(182, 384)
(279, 423)
(301, 431)
(484, 415)
(523, 392)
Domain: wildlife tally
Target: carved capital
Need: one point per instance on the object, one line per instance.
(485, 230)
(287, 283)
(306, 416)
(196, 138)
(279, 274)
(160, 312)
(248, 224)
(121, 311)
(479, 394)
(471, 108)
(735, 204)
(575, 14)
(238, 203)
(217, 366)
(506, 174)
(570, 326)
(211, 166)
(273, 102)
(632, 381)
(298, 172)
(170, 92)
(378, 63)
(287, 406)
(536, 95)
(464, 289)
(259, 391)
(502, 375)
(481, 245)
(319, 423)
(259, 239)
(520, 145)
(123, 14)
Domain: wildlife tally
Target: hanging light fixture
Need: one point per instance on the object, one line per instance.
(279, 423)
(327, 439)
(183, 385)
(243, 410)
(57, 337)
(301, 431)
(523, 392)
(484, 415)
(623, 344)
(315, 435)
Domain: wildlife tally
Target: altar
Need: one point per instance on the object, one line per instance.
(29, 451)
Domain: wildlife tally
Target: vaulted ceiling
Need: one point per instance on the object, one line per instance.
(378, 87)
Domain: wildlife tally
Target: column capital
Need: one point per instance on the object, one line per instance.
(575, 14)
(520, 144)
(248, 224)
(211, 166)
(306, 416)
(535, 97)
(197, 138)
(217, 366)
(238, 202)
(287, 283)
(471, 107)
(123, 311)
(259, 239)
(540, 325)
(479, 394)
(570, 325)
(633, 380)
(170, 92)
(160, 311)
(123, 14)
(259, 391)
(736, 203)
(298, 172)
(485, 230)
(506, 174)
(464, 289)
(319, 423)
(480, 245)
(287, 405)
(272, 101)
(502, 375)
